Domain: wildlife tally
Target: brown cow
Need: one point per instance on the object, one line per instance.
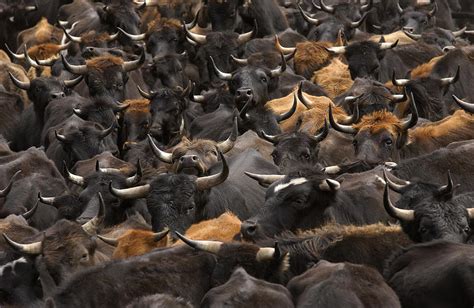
(136, 122)
(42, 33)
(335, 78)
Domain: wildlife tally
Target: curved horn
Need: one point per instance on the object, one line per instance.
(245, 37)
(448, 188)
(130, 193)
(104, 133)
(76, 179)
(207, 182)
(289, 113)
(337, 50)
(270, 138)
(399, 82)
(413, 36)
(464, 105)
(309, 19)
(393, 186)
(326, 8)
(28, 214)
(73, 82)
(220, 74)
(265, 179)
(228, 144)
(198, 38)
(4, 192)
(30, 61)
(92, 225)
(144, 93)
(193, 22)
(306, 102)
(323, 134)
(281, 69)
(433, 11)
(75, 39)
(332, 169)
(366, 7)
(75, 69)
(163, 156)
(242, 62)
(284, 50)
(30, 249)
(20, 84)
(160, 235)
(384, 46)
(459, 32)
(62, 138)
(15, 55)
(400, 214)
(413, 117)
(111, 241)
(199, 98)
(451, 80)
(113, 36)
(329, 185)
(135, 178)
(135, 64)
(133, 37)
(209, 246)
(265, 253)
(356, 24)
(340, 127)
(398, 98)
(46, 200)
(353, 118)
(399, 8)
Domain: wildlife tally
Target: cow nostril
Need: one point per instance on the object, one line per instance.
(249, 92)
(181, 159)
(195, 157)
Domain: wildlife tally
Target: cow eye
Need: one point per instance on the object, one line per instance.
(305, 155)
(423, 230)
(354, 142)
(263, 79)
(388, 142)
(467, 229)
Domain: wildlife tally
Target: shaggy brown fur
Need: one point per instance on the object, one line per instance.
(334, 78)
(137, 242)
(425, 69)
(17, 71)
(223, 228)
(44, 51)
(92, 38)
(431, 136)
(159, 24)
(103, 63)
(42, 33)
(378, 121)
(282, 105)
(370, 245)
(137, 105)
(310, 57)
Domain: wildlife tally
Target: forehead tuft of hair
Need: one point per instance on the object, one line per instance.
(91, 37)
(162, 23)
(378, 121)
(137, 105)
(311, 56)
(103, 63)
(44, 51)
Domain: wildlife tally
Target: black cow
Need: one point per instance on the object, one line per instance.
(166, 71)
(307, 199)
(446, 282)
(416, 21)
(429, 212)
(345, 284)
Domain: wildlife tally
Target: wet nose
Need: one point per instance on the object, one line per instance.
(244, 93)
(189, 159)
(248, 228)
(57, 95)
(409, 29)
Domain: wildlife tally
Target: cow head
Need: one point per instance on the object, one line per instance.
(223, 15)
(120, 14)
(167, 107)
(136, 122)
(105, 75)
(414, 21)
(290, 201)
(379, 136)
(175, 200)
(219, 46)
(260, 262)
(65, 247)
(168, 71)
(429, 212)
(444, 39)
(195, 157)
(364, 57)
(100, 110)
(98, 182)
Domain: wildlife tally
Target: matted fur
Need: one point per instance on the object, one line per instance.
(43, 32)
(310, 57)
(424, 70)
(334, 78)
(137, 242)
(379, 120)
(137, 105)
(19, 73)
(402, 38)
(103, 63)
(223, 228)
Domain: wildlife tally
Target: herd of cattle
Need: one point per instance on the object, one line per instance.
(236, 153)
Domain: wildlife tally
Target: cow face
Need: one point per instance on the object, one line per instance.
(136, 122)
(120, 14)
(17, 282)
(42, 90)
(288, 201)
(252, 82)
(168, 71)
(439, 37)
(223, 15)
(415, 22)
(428, 212)
(100, 110)
(195, 157)
(166, 38)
